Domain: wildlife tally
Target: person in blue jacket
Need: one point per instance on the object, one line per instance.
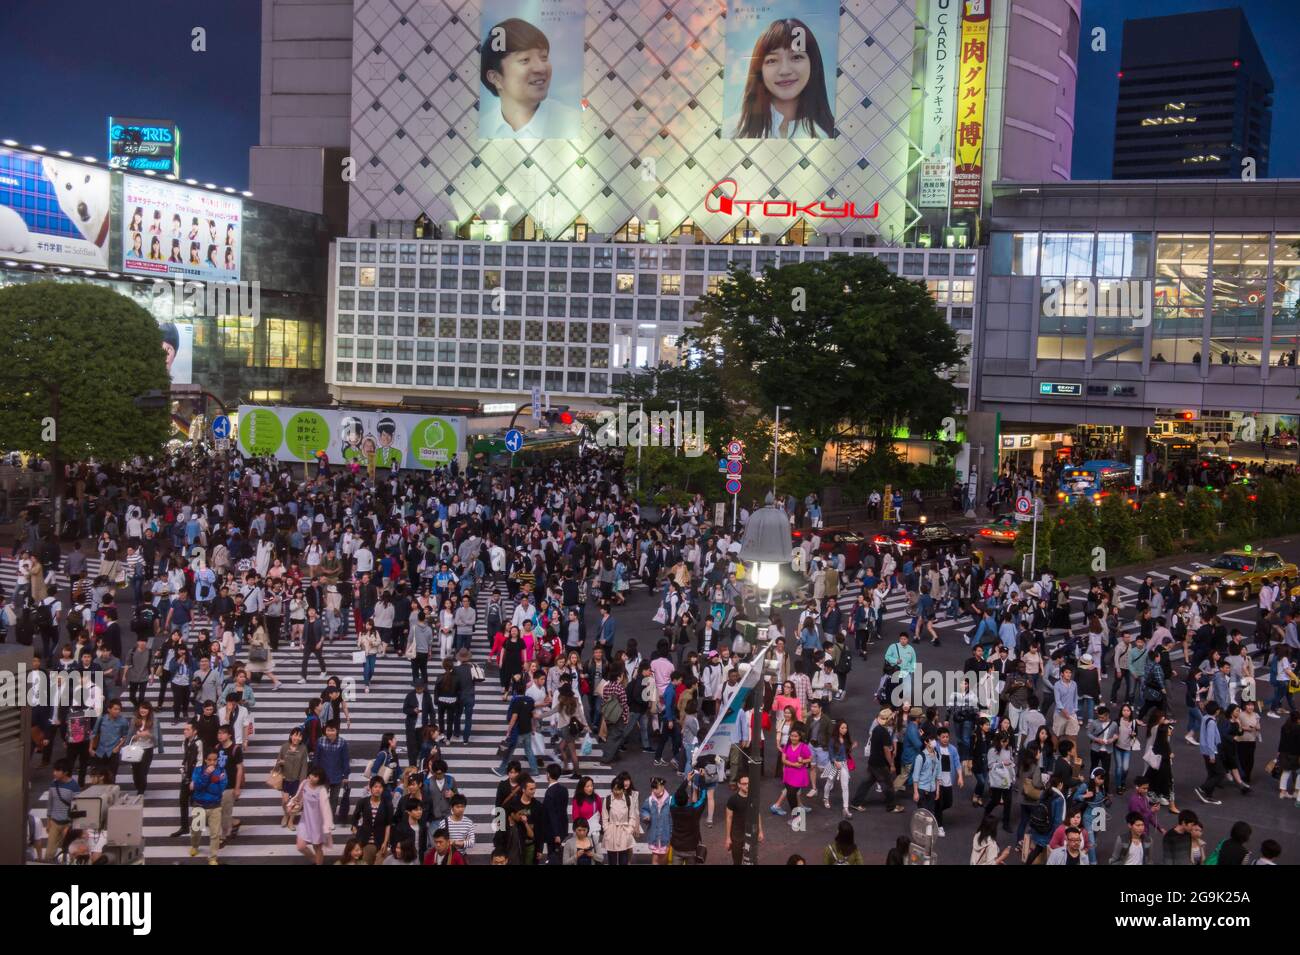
(1054, 801)
(207, 783)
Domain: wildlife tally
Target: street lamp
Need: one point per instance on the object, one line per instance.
(776, 445)
(767, 545)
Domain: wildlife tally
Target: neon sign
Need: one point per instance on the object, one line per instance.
(780, 208)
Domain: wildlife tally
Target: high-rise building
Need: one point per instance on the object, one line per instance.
(1195, 98)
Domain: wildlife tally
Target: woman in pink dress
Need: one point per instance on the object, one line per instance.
(796, 758)
(316, 824)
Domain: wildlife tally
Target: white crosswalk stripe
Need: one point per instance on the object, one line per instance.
(276, 712)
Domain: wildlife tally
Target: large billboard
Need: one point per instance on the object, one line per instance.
(780, 72)
(530, 69)
(972, 90)
(176, 231)
(144, 144)
(943, 28)
(178, 348)
(413, 441)
(53, 211)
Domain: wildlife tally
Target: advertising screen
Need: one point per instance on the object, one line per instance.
(779, 80)
(972, 89)
(530, 69)
(413, 441)
(172, 230)
(53, 211)
(178, 346)
(140, 144)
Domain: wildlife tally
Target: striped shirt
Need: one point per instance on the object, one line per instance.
(461, 830)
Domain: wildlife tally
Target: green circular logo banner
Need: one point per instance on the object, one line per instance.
(433, 443)
(260, 432)
(306, 433)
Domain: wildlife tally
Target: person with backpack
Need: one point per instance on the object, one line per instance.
(615, 713)
(1044, 818)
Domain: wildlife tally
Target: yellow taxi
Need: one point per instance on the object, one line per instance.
(1239, 573)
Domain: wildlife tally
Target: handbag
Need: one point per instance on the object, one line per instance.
(410, 648)
(1152, 760)
(258, 654)
(661, 616)
(275, 779)
(132, 753)
(359, 656)
(476, 672)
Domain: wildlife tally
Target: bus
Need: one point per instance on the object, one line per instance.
(1094, 480)
(1173, 450)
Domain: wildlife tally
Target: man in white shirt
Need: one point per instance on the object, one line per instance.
(515, 69)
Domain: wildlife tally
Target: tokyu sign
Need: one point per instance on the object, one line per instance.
(723, 196)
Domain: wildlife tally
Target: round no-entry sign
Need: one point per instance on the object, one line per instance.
(733, 486)
(1023, 504)
(735, 447)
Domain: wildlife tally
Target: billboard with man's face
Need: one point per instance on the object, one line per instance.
(530, 69)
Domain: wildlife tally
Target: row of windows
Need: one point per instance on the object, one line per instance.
(505, 379)
(650, 258)
(470, 353)
(490, 329)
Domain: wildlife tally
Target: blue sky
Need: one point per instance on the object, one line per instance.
(78, 61)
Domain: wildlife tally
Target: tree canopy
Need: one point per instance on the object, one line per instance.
(79, 354)
(845, 343)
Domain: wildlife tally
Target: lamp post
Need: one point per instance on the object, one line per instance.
(766, 545)
(776, 445)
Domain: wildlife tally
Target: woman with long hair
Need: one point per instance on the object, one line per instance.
(315, 831)
(1159, 759)
(785, 91)
(1001, 762)
(1126, 744)
(587, 805)
(291, 762)
(147, 734)
(984, 847)
(843, 849)
(840, 755)
(622, 818)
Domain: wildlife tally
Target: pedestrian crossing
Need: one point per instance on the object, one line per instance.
(277, 711)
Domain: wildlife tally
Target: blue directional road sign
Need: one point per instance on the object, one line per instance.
(514, 440)
(221, 427)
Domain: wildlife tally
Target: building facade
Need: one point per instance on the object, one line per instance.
(237, 285)
(1115, 303)
(483, 320)
(1195, 108)
(642, 175)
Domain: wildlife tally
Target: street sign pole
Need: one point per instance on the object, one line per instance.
(1033, 546)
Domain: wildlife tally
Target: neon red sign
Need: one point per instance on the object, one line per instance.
(780, 208)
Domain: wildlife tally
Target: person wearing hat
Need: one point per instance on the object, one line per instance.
(1089, 679)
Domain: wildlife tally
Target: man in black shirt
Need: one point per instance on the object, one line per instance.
(570, 593)
(371, 822)
(207, 725)
(230, 760)
(880, 765)
(524, 819)
(418, 709)
(519, 729)
(737, 821)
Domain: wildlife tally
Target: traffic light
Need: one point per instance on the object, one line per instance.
(558, 415)
(1189, 415)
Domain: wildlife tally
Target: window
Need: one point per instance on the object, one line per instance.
(1286, 301)
(555, 306)
(581, 258)
(426, 327)
(558, 282)
(626, 283)
(402, 374)
(554, 356)
(450, 254)
(469, 304)
(601, 283)
(668, 311)
(963, 263)
(347, 276)
(406, 278)
(343, 371)
(424, 376)
(578, 307)
(913, 263)
(384, 326)
(695, 260)
(717, 260)
(1179, 298)
(537, 281)
(365, 324)
(514, 281)
(383, 374)
(536, 256)
(366, 277)
(387, 278)
(363, 373)
(489, 353)
(468, 353)
(1240, 290)
(343, 347)
(534, 305)
(345, 323)
(579, 282)
(365, 348)
(1066, 254)
(407, 253)
(347, 300)
(600, 308)
(937, 264)
(558, 257)
(555, 331)
(347, 251)
(384, 349)
(469, 328)
(446, 376)
(425, 352)
(446, 353)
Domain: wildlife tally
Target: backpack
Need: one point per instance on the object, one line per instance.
(44, 616)
(1040, 816)
(611, 711)
(1214, 856)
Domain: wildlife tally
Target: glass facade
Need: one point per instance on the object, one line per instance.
(571, 318)
(1213, 298)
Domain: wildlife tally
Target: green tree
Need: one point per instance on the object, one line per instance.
(1237, 512)
(1073, 538)
(1160, 521)
(1116, 530)
(76, 358)
(1201, 515)
(695, 384)
(843, 342)
(1270, 512)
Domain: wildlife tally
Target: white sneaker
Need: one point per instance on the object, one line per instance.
(1274, 716)
(941, 832)
(302, 680)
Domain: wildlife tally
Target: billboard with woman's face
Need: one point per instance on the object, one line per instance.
(779, 79)
(530, 69)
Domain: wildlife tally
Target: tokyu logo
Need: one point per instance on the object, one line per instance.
(723, 196)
